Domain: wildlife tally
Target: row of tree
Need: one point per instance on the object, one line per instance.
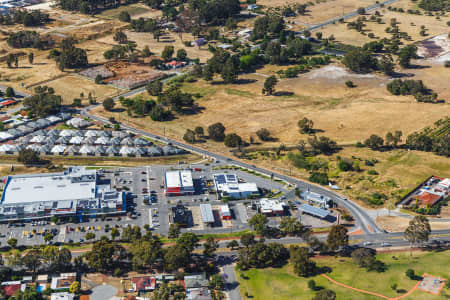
(25, 17)
(28, 39)
(423, 141)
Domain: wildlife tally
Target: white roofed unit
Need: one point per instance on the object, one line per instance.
(178, 183)
(271, 206)
(76, 140)
(444, 185)
(207, 213)
(316, 199)
(228, 185)
(225, 212)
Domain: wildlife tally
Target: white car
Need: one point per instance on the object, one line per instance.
(367, 243)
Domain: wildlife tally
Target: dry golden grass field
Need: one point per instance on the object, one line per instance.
(42, 68)
(143, 39)
(406, 22)
(79, 85)
(346, 115)
(323, 11)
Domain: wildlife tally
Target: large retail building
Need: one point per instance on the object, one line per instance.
(76, 192)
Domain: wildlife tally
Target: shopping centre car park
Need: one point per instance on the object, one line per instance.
(148, 182)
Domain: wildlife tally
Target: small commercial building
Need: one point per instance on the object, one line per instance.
(178, 183)
(316, 199)
(228, 185)
(207, 214)
(225, 212)
(271, 207)
(180, 215)
(314, 211)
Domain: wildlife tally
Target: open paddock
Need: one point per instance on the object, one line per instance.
(79, 85)
(409, 23)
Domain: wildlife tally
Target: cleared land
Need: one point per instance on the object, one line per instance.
(398, 224)
(284, 284)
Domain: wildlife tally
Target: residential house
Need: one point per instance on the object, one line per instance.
(63, 281)
(198, 294)
(143, 283)
(62, 296)
(198, 280)
(10, 287)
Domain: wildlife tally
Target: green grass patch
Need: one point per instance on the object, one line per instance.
(201, 91)
(236, 234)
(239, 93)
(282, 283)
(115, 12)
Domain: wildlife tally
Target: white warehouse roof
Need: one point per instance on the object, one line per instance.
(50, 187)
(207, 213)
(179, 179)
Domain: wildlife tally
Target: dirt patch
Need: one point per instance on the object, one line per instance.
(336, 73)
(123, 74)
(399, 224)
(436, 48)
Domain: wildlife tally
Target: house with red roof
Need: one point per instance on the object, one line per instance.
(10, 287)
(428, 198)
(143, 283)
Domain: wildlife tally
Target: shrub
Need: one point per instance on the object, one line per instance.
(312, 285)
(372, 172)
(232, 140)
(350, 84)
(320, 178)
(410, 274)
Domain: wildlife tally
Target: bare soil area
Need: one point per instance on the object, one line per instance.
(399, 224)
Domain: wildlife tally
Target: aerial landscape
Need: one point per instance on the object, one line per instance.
(224, 149)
